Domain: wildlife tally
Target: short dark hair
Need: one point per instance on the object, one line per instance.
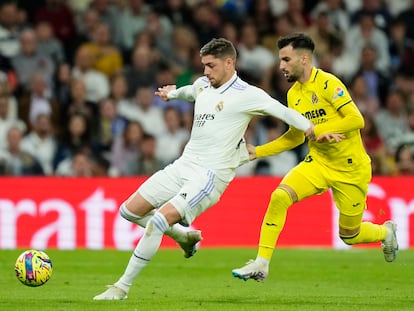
(219, 48)
(297, 41)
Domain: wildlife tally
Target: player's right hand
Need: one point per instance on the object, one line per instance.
(163, 91)
(252, 151)
(330, 138)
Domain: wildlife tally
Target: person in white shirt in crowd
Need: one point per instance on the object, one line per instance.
(170, 144)
(97, 84)
(224, 106)
(143, 110)
(364, 33)
(6, 122)
(41, 143)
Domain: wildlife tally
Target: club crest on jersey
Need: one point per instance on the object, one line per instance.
(314, 99)
(219, 106)
(339, 92)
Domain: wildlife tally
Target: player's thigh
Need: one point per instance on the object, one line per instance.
(304, 180)
(200, 191)
(349, 192)
(163, 185)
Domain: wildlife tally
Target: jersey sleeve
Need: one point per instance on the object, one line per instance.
(337, 94)
(263, 104)
(189, 92)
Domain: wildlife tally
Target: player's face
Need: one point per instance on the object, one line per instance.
(217, 70)
(291, 63)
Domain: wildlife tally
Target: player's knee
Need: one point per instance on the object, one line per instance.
(281, 198)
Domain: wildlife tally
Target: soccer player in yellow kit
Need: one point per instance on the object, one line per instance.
(336, 160)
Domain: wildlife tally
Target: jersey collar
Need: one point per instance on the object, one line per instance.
(228, 84)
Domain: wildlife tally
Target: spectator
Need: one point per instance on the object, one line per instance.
(297, 15)
(323, 34)
(16, 162)
(119, 90)
(62, 21)
(281, 27)
(77, 165)
(404, 160)
(80, 104)
(148, 162)
(97, 84)
(338, 17)
(62, 89)
(170, 144)
(184, 42)
(29, 61)
(161, 30)
(48, 44)
(366, 33)
(407, 17)
(41, 143)
(9, 29)
(205, 22)
(381, 161)
(108, 14)
(143, 69)
(177, 11)
(108, 58)
(109, 125)
(77, 135)
(376, 80)
(367, 103)
(379, 11)
(132, 22)
(7, 121)
(254, 61)
(392, 121)
(144, 111)
(89, 20)
(125, 150)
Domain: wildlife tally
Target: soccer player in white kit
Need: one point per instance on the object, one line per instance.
(224, 105)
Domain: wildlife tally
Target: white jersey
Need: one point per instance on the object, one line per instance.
(221, 117)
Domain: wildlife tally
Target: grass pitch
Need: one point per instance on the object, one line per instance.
(300, 279)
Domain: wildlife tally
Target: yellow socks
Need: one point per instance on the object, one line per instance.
(273, 222)
(369, 233)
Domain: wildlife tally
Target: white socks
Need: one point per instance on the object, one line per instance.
(176, 232)
(145, 250)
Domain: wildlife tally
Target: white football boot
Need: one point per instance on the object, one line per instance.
(390, 244)
(112, 293)
(190, 246)
(252, 270)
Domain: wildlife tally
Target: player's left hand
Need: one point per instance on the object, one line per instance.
(330, 138)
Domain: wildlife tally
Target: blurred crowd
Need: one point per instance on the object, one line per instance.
(77, 78)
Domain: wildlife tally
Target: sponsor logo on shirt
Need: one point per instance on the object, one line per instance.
(339, 92)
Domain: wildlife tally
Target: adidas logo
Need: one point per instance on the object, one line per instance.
(183, 195)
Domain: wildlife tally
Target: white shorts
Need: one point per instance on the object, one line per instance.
(190, 188)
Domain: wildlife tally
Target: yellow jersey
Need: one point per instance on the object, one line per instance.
(326, 102)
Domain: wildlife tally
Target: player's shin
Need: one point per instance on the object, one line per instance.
(368, 233)
(145, 250)
(273, 222)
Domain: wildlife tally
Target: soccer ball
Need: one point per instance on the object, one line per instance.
(33, 268)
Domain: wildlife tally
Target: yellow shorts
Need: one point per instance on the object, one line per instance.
(349, 189)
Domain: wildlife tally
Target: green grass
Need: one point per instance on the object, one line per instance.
(357, 279)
